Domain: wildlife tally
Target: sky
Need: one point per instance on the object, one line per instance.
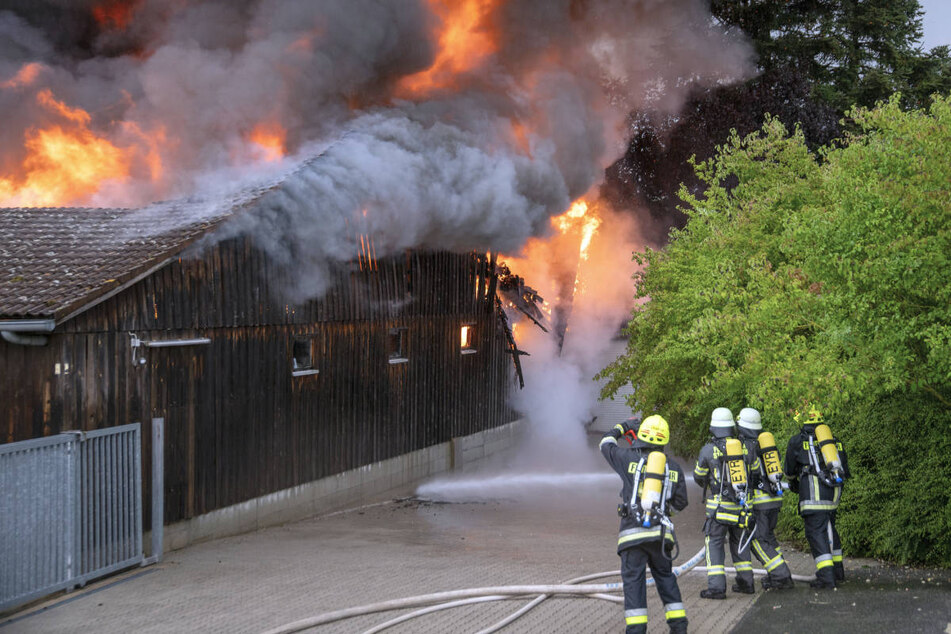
(937, 23)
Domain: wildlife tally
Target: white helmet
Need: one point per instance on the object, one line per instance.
(721, 423)
(749, 422)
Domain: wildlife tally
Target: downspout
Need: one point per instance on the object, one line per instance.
(27, 332)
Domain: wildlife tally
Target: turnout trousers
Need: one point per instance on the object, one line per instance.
(838, 567)
(820, 532)
(634, 562)
(766, 546)
(716, 534)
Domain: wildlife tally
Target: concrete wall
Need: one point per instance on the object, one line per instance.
(347, 489)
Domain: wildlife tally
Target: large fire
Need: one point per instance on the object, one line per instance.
(556, 265)
(465, 42)
(65, 162)
(578, 219)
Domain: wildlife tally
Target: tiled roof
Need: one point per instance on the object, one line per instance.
(57, 261)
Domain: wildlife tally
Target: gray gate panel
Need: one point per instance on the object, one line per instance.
(111, 520)
(70, 511)
(37, 501)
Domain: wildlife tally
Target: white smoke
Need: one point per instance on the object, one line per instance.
(560, 392)
(560, 395)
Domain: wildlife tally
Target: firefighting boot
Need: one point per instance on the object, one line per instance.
(822, 584)
(839, 570)
(712, 594)
(785, 583)
(678, 627)
(742, 588)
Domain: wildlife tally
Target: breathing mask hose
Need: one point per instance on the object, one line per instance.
(751, 530)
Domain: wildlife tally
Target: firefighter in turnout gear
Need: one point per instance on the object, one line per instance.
(817, 466)
(768, 487)
(653, 487)
(722, 467)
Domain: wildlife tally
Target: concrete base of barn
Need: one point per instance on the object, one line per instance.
(343, 490)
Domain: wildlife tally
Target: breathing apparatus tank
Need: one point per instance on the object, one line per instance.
(770, 456)
(652, 488)
(736, 468)
(830, 455)
(735, 465)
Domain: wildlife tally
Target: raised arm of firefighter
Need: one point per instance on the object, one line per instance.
(609, 447)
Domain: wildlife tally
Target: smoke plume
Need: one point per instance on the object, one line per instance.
(449, 124)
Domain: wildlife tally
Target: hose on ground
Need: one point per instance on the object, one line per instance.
(463, 602)
(456, 598)
(757, 571)
(450, 595)
(679, 570)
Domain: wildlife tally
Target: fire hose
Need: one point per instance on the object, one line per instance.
(457, 598)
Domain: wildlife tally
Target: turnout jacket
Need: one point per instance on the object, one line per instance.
(814, 495)
(624, 462)
(709, 474)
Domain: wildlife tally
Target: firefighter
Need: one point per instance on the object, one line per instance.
(816, 466)
(646, 535)
(729, 515)
(767, 500)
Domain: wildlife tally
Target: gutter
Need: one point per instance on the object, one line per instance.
(27, 332)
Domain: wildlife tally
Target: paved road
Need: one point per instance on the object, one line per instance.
(875, 599)
(543, 531)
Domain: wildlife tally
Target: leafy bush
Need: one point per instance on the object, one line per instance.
(823, 278)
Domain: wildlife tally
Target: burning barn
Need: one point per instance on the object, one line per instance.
(352, 314)
(107, 319)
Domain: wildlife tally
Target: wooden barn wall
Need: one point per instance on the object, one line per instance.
(238, 424)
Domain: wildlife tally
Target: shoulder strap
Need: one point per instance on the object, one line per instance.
(637, 479)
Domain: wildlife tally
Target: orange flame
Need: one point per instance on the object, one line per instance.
(114, 14)
(24, 77)
(64, 163)
(270, 138)
(464, 44)
(577, 219)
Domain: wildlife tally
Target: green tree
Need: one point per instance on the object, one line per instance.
(823, 277)
(816, 59)
(853, 51)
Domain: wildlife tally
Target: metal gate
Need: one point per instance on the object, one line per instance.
(70, 510)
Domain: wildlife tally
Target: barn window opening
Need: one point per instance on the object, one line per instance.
(466, 339)
(396, 345)
(302, 362)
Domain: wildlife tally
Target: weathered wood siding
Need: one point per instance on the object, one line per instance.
(238, 424)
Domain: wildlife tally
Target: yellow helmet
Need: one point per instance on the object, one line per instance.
(812, 417)
(654, 430)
